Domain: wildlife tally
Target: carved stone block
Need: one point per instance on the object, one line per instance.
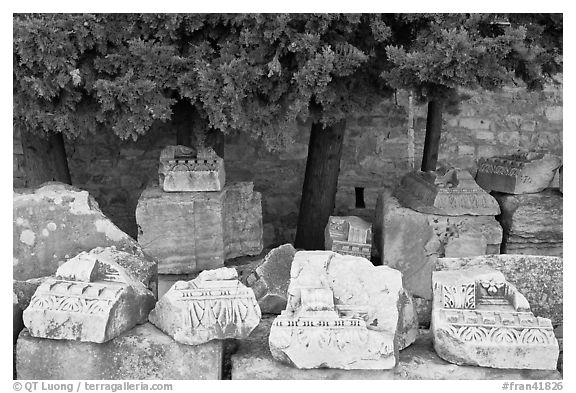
(183, 169)
(521, 173)
(193, 231)
(348, 235)
(342, 312)
(91, 299)
(215, 305)
(411, 241)
(55, 221)
(480, 319)
(453, 193)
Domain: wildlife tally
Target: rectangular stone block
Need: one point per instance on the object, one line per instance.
(411, 241)
(141, 353)
(253, 361)
(193, 231)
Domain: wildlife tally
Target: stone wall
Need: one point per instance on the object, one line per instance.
(378, 149)
(18, 175)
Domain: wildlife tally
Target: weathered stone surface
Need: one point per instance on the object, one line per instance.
(91, 299)
(480, 319)
(521, 173)
(270, 279)
(243, 229)
(22, 292)
(253, 361)
(184, 169)
(342, 312)
(193, 231)
(55, 222)
(532, 223)
(348, 235)
(539, 278)
(448, 193)
(560, 173)
(142, 353)
(411, 241)
(215, 305)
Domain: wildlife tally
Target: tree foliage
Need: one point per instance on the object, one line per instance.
(435, 54)
(257, 73)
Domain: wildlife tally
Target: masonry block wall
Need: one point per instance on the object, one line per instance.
(378, 150)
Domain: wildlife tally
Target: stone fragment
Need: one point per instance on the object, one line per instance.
(143, 353)
(449, 193)
(411, 241)
(348, 235)
(193, 231)
(520, 173)
(56, 221)
(253, 361)
(22, 292)
(215, 305)
(91, 299)
(480, 319)
(183, 169)
(532, 223)
(538, 277)
(342, 312)
(270, 279)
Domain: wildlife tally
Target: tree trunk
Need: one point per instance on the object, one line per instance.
(433, 132)
(188, 122)
(320, 182)
(45, 159)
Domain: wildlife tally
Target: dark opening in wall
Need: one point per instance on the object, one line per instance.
(360, 197)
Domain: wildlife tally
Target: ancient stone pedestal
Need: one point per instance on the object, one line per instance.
(539, 278)
(91, 299)
(270, 279)
(521, 173)
(342, 312)
(142, 353)
(411, 241)
(193, 231)
(215, 305)
(532, 223)
(348, 235)
(253, 361)
(453, 193)
(183, 169)
(55, 222)
(480, 319)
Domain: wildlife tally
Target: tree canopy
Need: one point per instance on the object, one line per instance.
(256, 73)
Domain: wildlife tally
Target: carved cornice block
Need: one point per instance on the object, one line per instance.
(517, 174)
(453, 193)
(348, 235)
(215, 305)
(478, 318)
(181, 169)
(91, 299)
(342, 312)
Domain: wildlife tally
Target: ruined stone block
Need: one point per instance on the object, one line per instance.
(520, 173)
(411, 241)
(193, 231)
(54, 222)
(270, 279)
(215, 305)
(348, 235)
(342, 312)
(184, 169)
(449, 193)
(91, 299)
(532, 223)
(538, 277)
(143, 353)
(480, 319)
